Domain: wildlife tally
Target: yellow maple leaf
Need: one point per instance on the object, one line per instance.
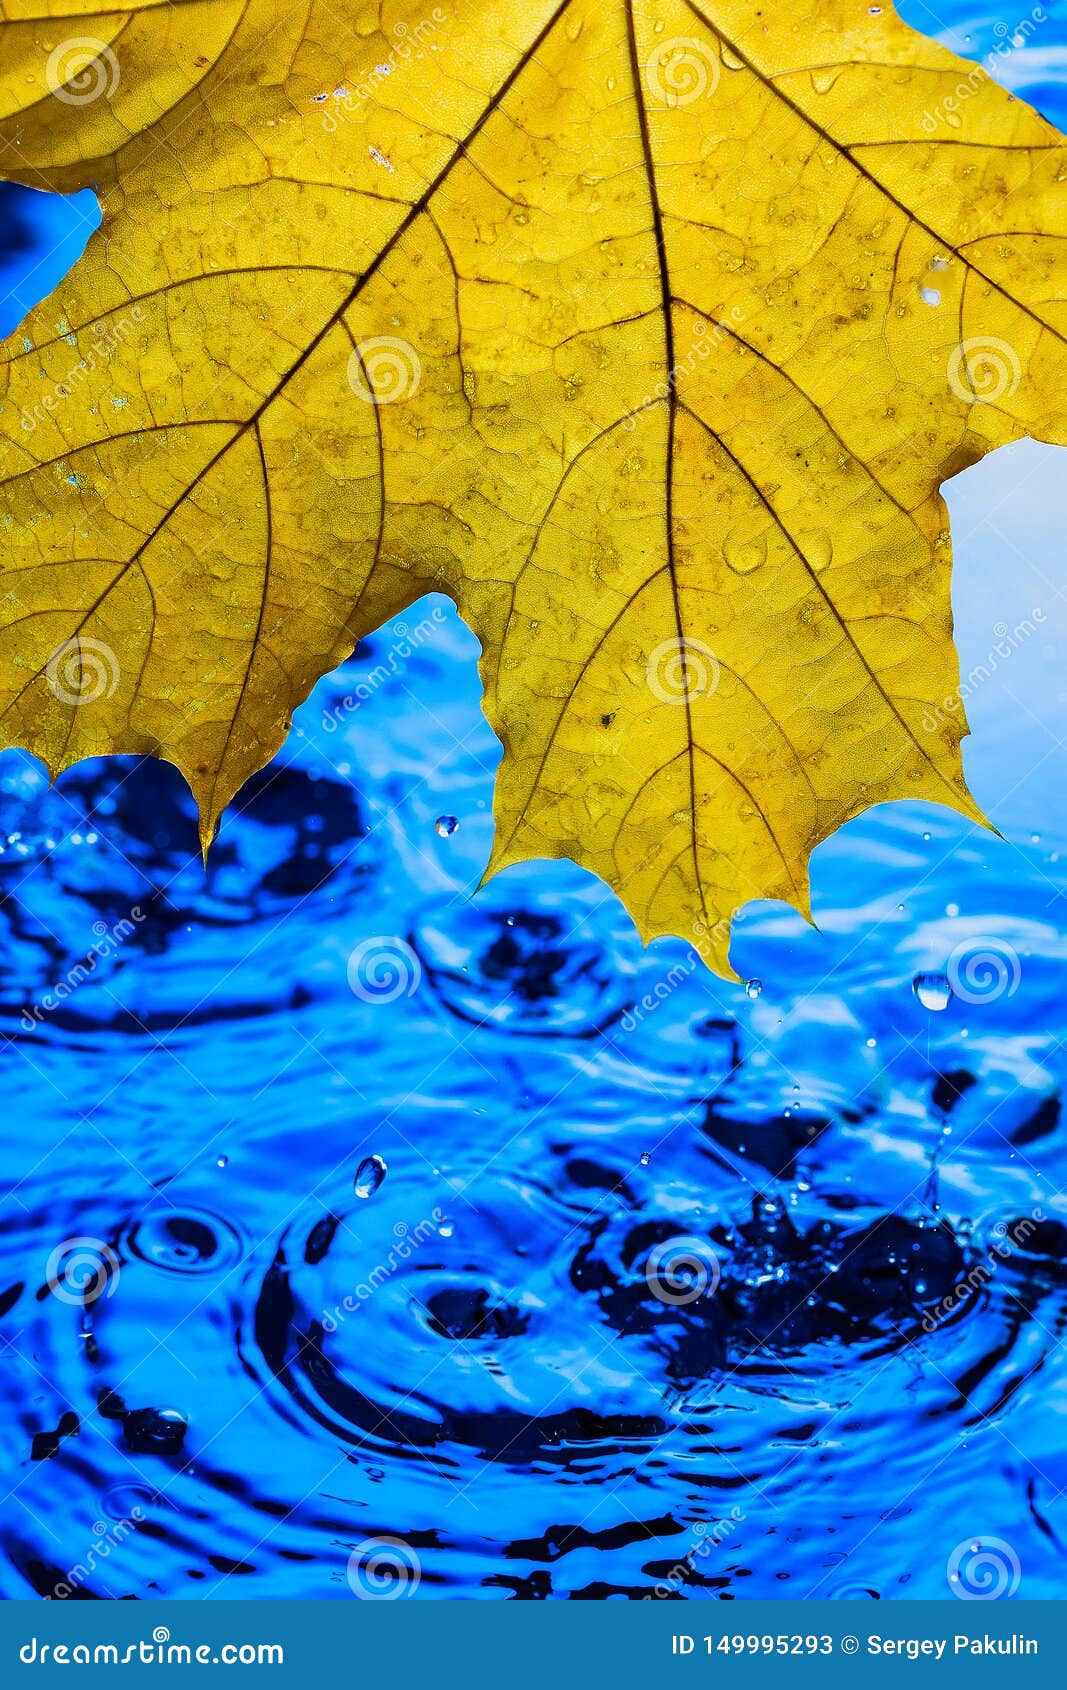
(645, 329)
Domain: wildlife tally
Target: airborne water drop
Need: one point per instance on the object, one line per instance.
(932, 990)
(369, 1176)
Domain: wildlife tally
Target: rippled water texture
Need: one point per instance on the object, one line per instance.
(342, 1203)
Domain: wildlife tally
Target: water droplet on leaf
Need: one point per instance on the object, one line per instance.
(744, 552)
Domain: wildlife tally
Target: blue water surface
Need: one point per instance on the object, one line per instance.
(668, 1286)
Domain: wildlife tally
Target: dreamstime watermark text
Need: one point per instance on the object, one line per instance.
(108, 1535)
(408, 1241)
(1007, 1237)
(407, 41)
(708, 1536)
(106, 942)
(1009, 38)
(1006, 641)
(107, 340)
(406, 642)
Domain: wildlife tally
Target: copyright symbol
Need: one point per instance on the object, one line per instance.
(850, 1645)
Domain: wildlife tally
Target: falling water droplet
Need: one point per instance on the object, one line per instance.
(222, 1161)
(369, 1176)
(446, 1229)
(932, 990)
(446, 826)
(930, 296)
(645, 1158)
(753, 988)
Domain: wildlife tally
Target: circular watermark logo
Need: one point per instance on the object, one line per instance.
(681, 70)
(982, 970)
(382, 1568)
(983, 370)
(384, 968)
(82, 70)
(983, 1569)
(681, 1270)
(80, 1270)
(82, 670)
(384, 369)
(679, 671)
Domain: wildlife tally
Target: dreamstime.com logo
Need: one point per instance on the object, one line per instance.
(382, 1568)
(681, 71)
(982, 970)
(680, 671)
(384, 968)
(383, 370)
(983, 1569)
(82, 70)
(81, 1270)
(681, 1270)
(984, 370)
(157, 1650)
(82, 670)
